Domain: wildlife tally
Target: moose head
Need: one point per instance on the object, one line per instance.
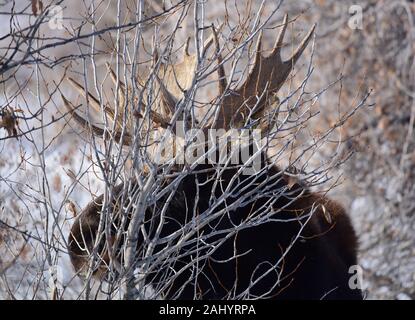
(208, 231)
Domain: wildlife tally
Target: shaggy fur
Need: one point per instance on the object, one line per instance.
(315, 267)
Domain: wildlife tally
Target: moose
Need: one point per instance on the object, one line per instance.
(217, 233)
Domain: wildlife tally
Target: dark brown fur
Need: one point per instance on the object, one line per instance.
(316, 266)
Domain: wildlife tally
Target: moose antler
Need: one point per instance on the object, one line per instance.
(266, 77)
(176, 79)
(251, 99)
(173, 80)
(115, 114)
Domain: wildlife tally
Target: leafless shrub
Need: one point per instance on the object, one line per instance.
(50, 180)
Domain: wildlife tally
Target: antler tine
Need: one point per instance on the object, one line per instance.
(169, 101)
(258, 47)
(186, 47)
(278, 42)
(155, 56)
(254, 74)
(223, 82)
(297, 53)
(122, 87)
(173, 80)
(93, 101)
(266, 77)
(122, 93)
(207, 44)
(83, 122)
(95, 130)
